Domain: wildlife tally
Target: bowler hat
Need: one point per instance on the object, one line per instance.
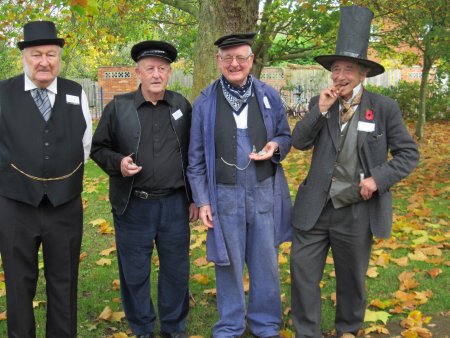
(353, 40)
(235, 40)
(154, 48)
(38, 33)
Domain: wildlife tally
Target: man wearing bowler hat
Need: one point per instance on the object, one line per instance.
(141, 142)
(239, 136)
(45, 136)
(345, 199)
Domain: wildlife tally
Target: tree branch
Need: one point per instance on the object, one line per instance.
(186, 6)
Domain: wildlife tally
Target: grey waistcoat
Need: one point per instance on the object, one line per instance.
(345, 188)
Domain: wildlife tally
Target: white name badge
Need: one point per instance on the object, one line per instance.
(266, 102)
(366, 126)
(177, 114)
(71, 99)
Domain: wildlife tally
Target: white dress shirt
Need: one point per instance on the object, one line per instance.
(52, 91)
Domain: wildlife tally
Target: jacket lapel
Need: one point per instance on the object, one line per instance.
(362, 108)
(333, 124)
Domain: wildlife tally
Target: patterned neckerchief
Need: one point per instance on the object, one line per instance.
(237, 97)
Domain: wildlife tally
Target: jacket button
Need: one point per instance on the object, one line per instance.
(46, 131)
(46, 157)
(46, 144)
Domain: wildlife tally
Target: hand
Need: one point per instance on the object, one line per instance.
(269, 149)
(327, 97)
(128, 167)
(205, 215)
(368, 187)
(193, 212)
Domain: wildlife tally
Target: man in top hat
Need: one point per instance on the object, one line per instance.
(239, 136)
(45, 136)
(141, 142)
(345, 199)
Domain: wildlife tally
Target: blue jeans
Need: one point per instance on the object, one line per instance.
(164, 222)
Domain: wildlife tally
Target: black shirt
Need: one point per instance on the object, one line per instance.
(159, 153)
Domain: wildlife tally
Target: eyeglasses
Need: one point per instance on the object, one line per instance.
(240, 59)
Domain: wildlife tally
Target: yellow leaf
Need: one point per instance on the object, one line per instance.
(201, 278)
(282, 259)
(376, 329)
(402, 261)
(374, 316)
(211, 292)
(120, 335)
(117, 316)
(37, 303)
(372, 272)
(106, 314)
(417, 256)
(103, 261)
(98, 221)
(286, 333)
(106, 252)
(2, 316)
(201, 261)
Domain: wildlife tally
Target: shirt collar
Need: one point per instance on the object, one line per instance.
(29, 85)
(139, 99)
(355, 91)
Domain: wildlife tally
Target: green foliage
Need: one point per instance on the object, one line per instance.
(407, 96)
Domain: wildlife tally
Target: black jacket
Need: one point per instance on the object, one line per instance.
(118, 133)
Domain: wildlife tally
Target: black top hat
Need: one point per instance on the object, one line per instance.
(150, 48)
(38, 33)
(235, 40)
(353, 40)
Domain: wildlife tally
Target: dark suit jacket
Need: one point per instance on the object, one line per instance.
(321, 133)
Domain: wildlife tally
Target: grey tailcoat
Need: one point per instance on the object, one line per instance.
(321, 133)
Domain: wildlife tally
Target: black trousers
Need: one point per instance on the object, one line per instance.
(347, 232)
(23, 228)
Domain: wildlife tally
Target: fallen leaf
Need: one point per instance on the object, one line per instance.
(201, 278)
(103, 262)
(434, 272)
(106, 313)
(2, 315)
(374, 316)
(372, 272)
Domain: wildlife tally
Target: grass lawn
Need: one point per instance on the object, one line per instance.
(410, 271)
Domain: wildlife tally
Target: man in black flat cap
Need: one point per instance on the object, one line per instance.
(239, 136)
(45, 137)
(345, 199)
(141, 142)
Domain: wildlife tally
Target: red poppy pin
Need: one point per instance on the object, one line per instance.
(369, 115)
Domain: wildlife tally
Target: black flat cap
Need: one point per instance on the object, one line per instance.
(235, 40)
(152, 48)
(39, 33)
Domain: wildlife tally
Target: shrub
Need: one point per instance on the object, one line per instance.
(407, 96)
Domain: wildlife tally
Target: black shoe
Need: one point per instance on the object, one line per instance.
(174, 335)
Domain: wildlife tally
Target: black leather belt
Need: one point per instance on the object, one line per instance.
(145, 195)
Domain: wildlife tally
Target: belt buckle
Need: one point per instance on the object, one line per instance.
(142, 194)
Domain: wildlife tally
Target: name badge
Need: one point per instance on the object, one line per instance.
(266, 102)
(177, 114)
(71, 99)
(366, 126)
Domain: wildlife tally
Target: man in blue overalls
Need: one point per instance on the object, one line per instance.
(239, 135)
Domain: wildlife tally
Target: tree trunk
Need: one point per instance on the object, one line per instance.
(427, 63)
(217, 18)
